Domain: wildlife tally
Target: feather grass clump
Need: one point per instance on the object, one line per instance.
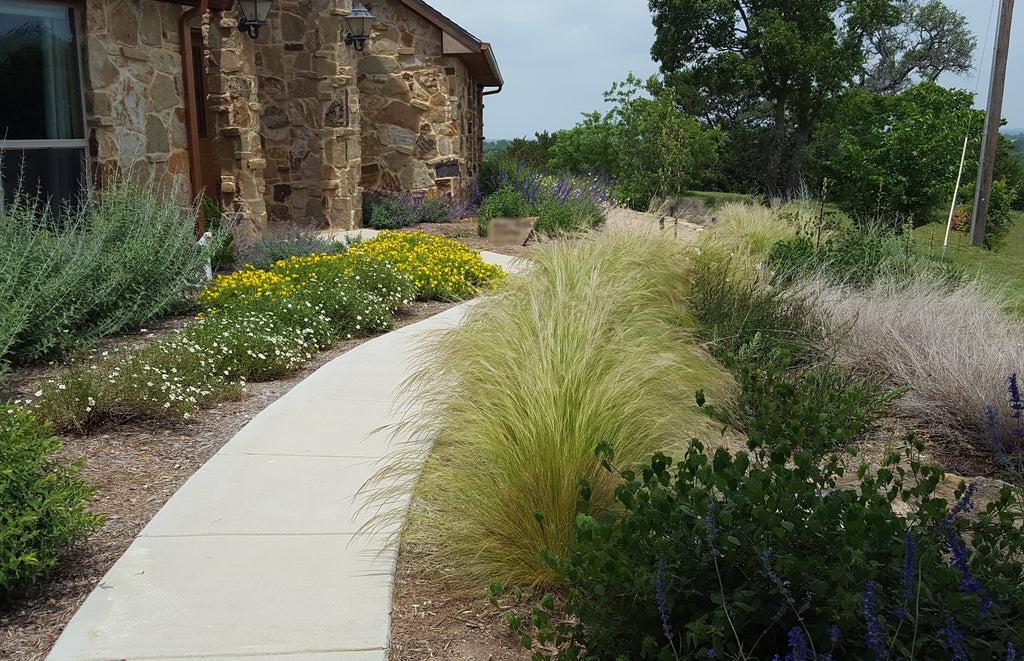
(591, 346)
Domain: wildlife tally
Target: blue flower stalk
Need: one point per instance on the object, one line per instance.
(874, 638)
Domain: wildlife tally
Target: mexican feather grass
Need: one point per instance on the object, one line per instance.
(591, 346)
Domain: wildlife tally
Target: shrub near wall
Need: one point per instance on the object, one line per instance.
(70, 276)
(42, 502)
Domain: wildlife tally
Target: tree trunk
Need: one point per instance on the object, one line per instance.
(771, 185)
(796, 162)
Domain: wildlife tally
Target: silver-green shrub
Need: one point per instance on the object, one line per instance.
(70, 275)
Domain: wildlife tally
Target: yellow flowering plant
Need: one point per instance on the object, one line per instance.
(440, 269)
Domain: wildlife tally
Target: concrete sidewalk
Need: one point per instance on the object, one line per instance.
(256, 556)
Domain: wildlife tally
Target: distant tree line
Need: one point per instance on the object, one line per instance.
(773, 97)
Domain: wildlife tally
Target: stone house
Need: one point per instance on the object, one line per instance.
(293, 125)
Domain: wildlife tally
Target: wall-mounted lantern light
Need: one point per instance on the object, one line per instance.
(254, 16)
(360, 23)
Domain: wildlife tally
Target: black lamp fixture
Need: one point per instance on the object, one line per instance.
(254, 16)
(360, 23)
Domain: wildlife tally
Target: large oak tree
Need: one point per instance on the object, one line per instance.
(774, 66)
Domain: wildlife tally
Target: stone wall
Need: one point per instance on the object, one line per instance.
(235, 110)
(299, 124)
(420, 109)
(133, 91)
(310, 122)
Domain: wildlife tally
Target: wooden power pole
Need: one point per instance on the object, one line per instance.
(993, 117)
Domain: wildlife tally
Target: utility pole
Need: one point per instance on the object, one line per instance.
(993, 116)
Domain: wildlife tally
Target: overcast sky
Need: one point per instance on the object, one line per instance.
(559, 56)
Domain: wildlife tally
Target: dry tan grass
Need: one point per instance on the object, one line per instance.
(953, 346)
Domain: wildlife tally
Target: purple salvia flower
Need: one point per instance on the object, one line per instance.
(954, 640)
(766, 560)
(709, 522)
(661, 586)
(909, 566)
(1015, 399)
(798, 649)
(834, 632)
(969, 583)
(1011, 654)
(874, 637)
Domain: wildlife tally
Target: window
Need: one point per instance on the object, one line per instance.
(42, 132)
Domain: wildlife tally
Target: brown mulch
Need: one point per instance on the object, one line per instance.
(137, 466)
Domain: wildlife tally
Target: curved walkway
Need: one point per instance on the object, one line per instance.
(256, 556)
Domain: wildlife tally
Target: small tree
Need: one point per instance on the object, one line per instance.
(631, 141)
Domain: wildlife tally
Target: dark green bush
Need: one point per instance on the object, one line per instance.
(563, 204)
(750, 555)
(857, 255)
(738, 315)
(42, 502)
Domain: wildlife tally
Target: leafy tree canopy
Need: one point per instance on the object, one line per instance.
(637, 143)
(775, 67)
(897, 156)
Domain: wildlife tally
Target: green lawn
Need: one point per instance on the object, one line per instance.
(1002, 271)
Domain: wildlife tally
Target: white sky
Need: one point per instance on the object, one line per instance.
(559, 56)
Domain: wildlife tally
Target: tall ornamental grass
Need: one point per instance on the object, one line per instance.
(590, 347)
(953, 346)
(71, 275)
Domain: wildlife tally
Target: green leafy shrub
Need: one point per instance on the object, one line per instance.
(738, 313)
(856, 255)
(825, 407)
(751, 555)
(562, 204)
(42, 501)
(71, 275)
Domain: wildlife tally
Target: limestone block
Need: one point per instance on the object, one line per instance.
(444, 146)
(227, 184)
(411, 62)
(157, 140)
(396, 88)
(293, 28)
(273, 87)
(150, 28)
(102, 72)
(336, 115)
(400, 114)
(420, 104)
(415, 175)
(385, 46)
(256, 164)
(399, 137)
(303, 88)
(426, 147)
(164, 93)
(373, 64)
(123, 20)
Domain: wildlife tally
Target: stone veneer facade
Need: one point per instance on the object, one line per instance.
(299, 124)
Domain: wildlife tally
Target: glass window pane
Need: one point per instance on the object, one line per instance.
(38, 73)
(54, 175)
